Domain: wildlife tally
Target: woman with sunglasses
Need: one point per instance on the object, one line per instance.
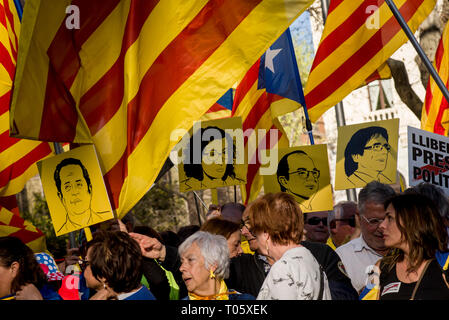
(113, 267)
(276, 222)
(414, 230)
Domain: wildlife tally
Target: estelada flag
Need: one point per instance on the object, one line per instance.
(134, 72)
(358, 38)
(434, 116)
(272, 87)
(220, 109)
(17, 156)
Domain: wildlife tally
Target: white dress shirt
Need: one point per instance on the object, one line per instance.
(356, 256)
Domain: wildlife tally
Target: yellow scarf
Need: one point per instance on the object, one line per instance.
(221, 295)
(330, 243)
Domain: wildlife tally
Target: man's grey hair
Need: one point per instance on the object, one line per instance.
(214, 249)
(375, 192)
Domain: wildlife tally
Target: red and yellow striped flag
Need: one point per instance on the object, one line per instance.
(434, 116)
(135, 71)
(17, 156)
(14, 226)
(358, 38)
(257, 109)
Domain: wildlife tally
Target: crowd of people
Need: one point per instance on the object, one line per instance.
(388, 245)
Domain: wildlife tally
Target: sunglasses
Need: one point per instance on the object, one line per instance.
(316, 221)
(350, 221)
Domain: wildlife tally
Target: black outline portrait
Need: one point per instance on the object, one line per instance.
(72, 218)
(355, 150)
(193, 161)
(283, 172)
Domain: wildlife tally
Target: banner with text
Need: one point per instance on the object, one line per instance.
(428, 158)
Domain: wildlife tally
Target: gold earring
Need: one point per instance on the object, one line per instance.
(268, 250)
(212, 274)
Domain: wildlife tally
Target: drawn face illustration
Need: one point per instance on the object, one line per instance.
(303, 176)
(214, 159)
(375, 155)
(75, 194)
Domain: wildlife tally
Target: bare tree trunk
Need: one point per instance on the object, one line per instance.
(403, 86)
(430, 33)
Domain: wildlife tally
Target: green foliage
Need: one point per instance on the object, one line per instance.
(161, 208)
(40, 218)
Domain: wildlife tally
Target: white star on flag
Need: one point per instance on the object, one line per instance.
(269, 56)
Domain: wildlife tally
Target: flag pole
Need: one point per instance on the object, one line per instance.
(394, 9)
(298, 81)
(197, 197)
(339, 112)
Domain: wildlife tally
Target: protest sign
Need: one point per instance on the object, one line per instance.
(211, 155)
(74, 189)
(304, 173)
(367, 152)
(428, 158)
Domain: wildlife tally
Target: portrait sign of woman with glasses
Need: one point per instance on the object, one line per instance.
(304, 173)
(370, 155)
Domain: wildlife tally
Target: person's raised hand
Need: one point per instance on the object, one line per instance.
(150, 247)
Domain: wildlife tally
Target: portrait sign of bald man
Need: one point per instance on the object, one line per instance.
(303, 172)
(74, 189)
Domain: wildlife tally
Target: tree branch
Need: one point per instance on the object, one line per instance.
(403, 86)
(176, 193)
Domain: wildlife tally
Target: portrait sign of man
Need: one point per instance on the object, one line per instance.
(369, 155)
(303, 172)
(210, 156)
(71, 180)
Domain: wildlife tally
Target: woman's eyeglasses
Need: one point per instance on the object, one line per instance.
(243, 224)
(83, 264)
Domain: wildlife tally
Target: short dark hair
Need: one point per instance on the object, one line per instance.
(283, 167)
(186, 231)
(357, 143)
(195, 170)
(12, 250)
(232, 211)
(66, 162)
(220, 226)
(434, 193)
(116, 257)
